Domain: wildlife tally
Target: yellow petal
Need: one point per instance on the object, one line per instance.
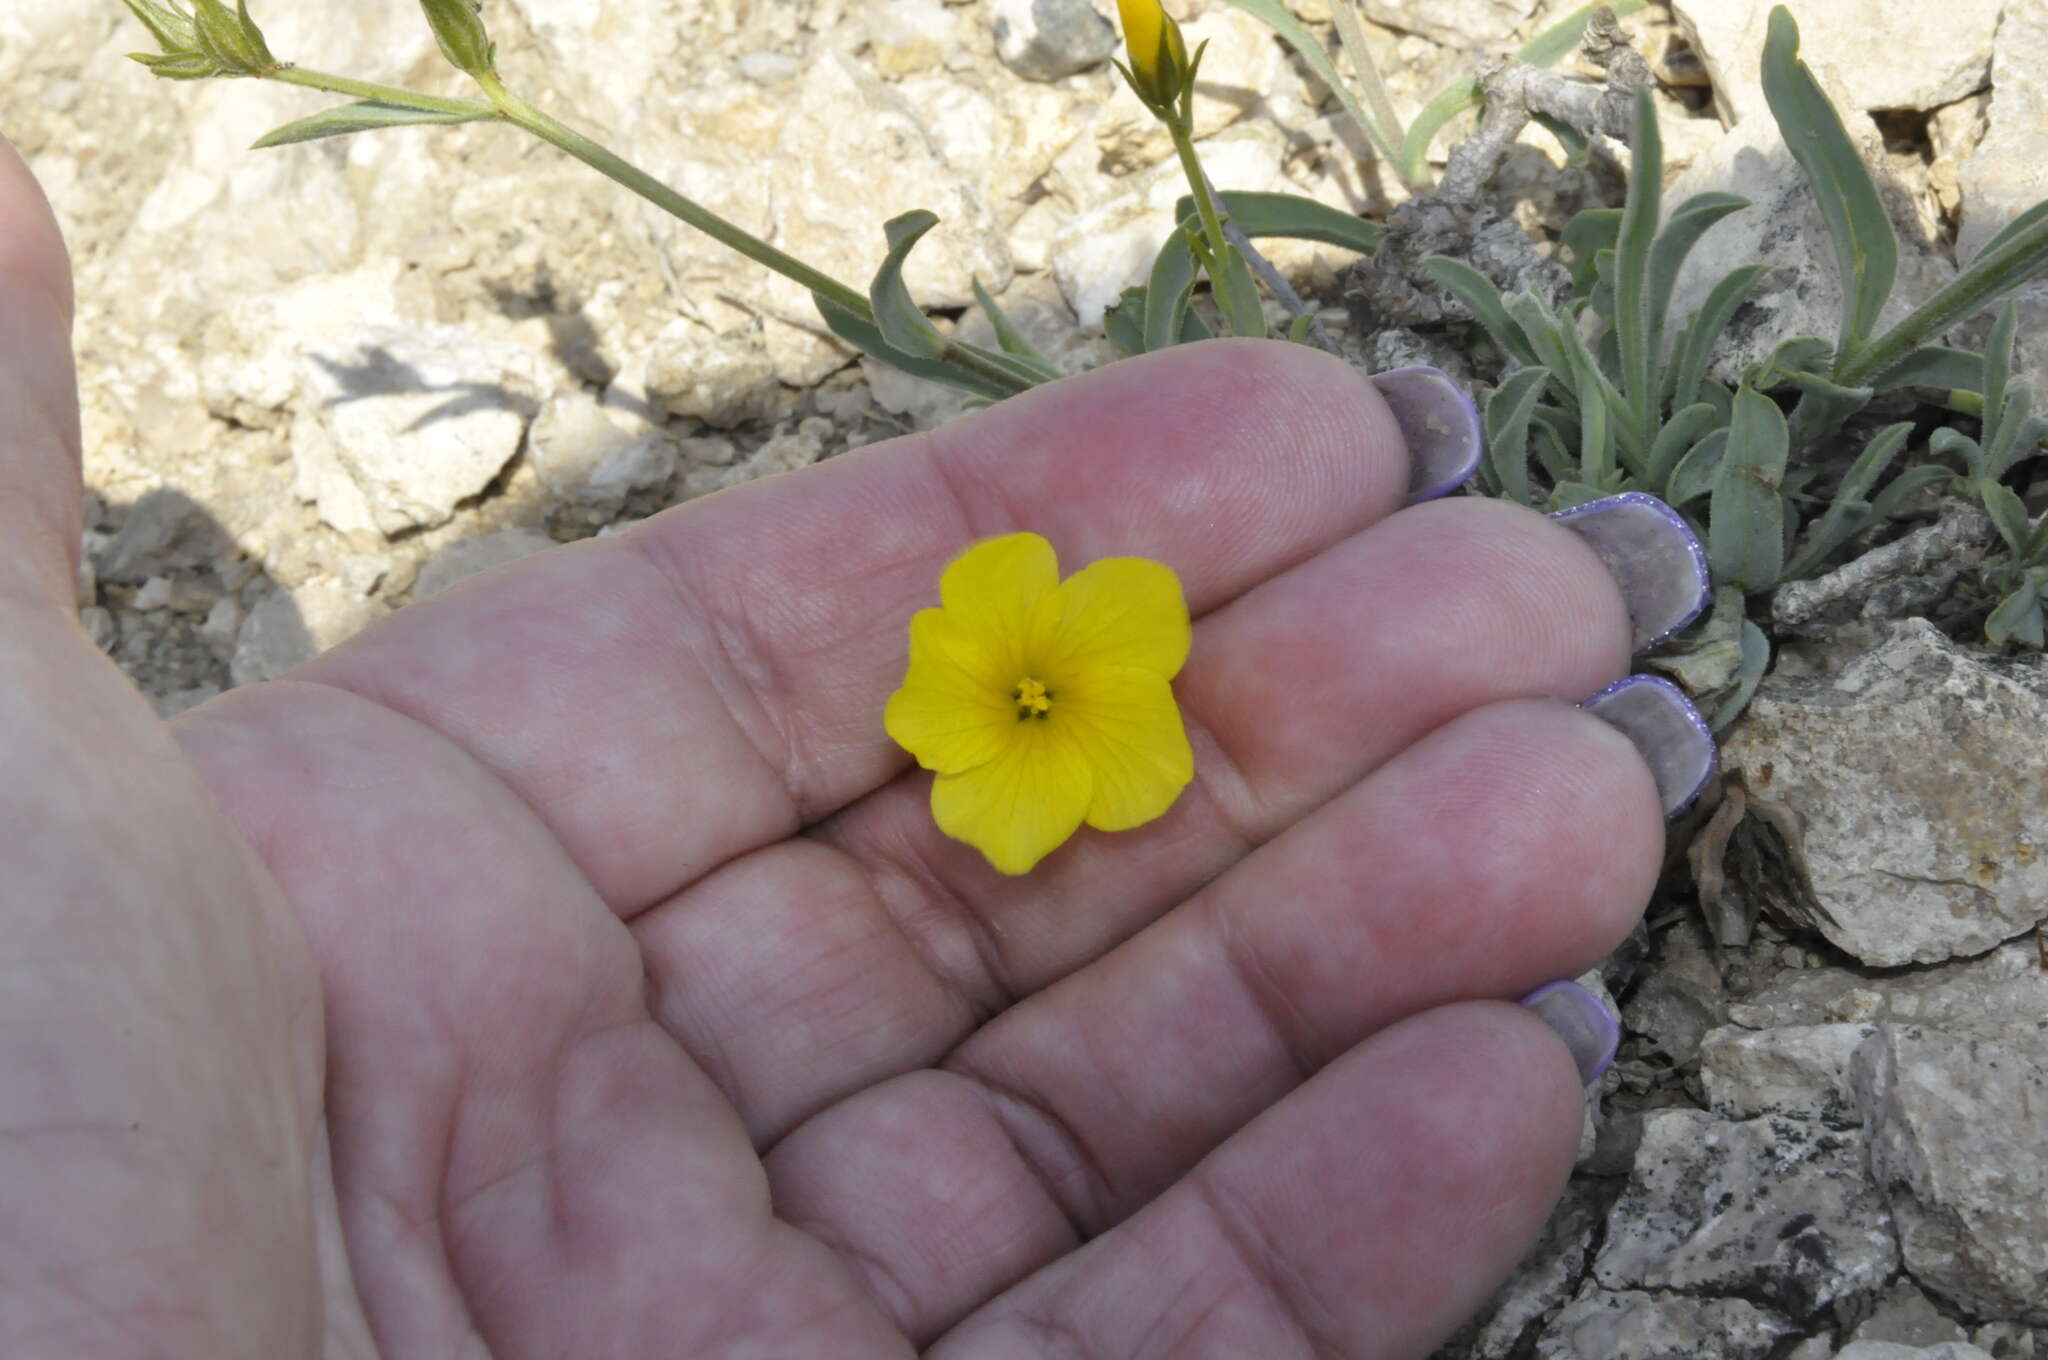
(1128, 729)
(993, 587)
(1019, 807)
(953, 711)
(1153, 39)
(1121, 611)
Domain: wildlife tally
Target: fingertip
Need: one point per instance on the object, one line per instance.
(32, 252)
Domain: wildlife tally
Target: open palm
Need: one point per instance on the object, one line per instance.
(576, 970)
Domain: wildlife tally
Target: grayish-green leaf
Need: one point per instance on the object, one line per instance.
(1585, 236)
(1508, 411)
(1245, 314)
(1683, 431)
(1746, 514)
(1849, 513)
(1277, 17)
(364, 116)
(1168, 289)
(1479, 295)
(1756, 659)
(1903, 488)
(1934, 366)
(1696, 472)
(1688, 222)
(1696, 342)
(1639, 337)
(2018, 617)
(903, 324)
(2008, 514)
(1291, 216)
(866, 337)
(2004, 443)
(1123, 323)
(1012, 340)
(1866, 250)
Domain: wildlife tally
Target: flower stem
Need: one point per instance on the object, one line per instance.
(1205, 208)
(383, 94)
(617, 168)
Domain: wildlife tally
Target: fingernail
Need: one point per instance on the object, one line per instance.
(1439, 423)
(1582, 1020)
(1655, 556)
(1673, 738)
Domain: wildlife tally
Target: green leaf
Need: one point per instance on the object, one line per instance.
(2018, 618)
(1638, 334)
(2021, 256)
(1756, 659)
(2005, 441)
(1562, 38)
(2008, 514)
(1452, 100)
(1696, 342)
(1193, 327)
(1688, 222)
(1299, 328)
(1866, 251)
(1681, 432)
(1746, 515)
(1578, 148)
(172, 28)
(1850, 512)
(1483, 300)
(1823, 407)
(1167, 291)
(1998, 355)
(2035, 554)
(2011, 231)
(1124, 324)
(1585, 236)
(1596, 441)
(1292, 216)
(1934, 366)
(1696, 473)
(1277, 17)
(1568, 494)
(1011, 339)
(1903, 488)
(1508, 411)
(904, 326)
(363, 116)
(866, 337)
(1800, 354)
(1244, 314)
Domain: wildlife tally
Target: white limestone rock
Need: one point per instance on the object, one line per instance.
(1632, 1324)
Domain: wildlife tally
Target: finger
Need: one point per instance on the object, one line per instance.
(899, 946)
(1367, 1215)
(39, 486)
(522, 1161)
(1514, 846)
(715, 679)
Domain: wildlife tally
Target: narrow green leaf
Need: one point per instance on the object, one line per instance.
(1124, 324)
(2018, 618)
(1371, 88)
(1011, 339)
(1298, 329)
(2008, 515)
(1697, 472)
(1849, 513)
(1696, 342)
(903, 324)
(1508, 411)
(1823, 407)
(866, 337)
(1568, 494)
(2005, 441)
(1746, 514)
(1866, 251)
(1756, 659)
(363, 116)
(1193, 327)
(1596, 441)
(1998, 356)
(1903, 488)
(1246, 315)
(1688, 222)
(1554, 432)
(171, 27)
(1292, 216)
(1578, 148)
(1562, 38)
(1483, 300)
(1452, 100)
(1585, 236)
(1681, 432)
(1639, 336)
(1167, 291)
(1948, 441)
(2019, 226)
(2021, 256)
(1934, 366)
(1277, 17)
(2036, 552)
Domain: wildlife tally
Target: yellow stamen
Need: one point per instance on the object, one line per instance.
(1034, 700)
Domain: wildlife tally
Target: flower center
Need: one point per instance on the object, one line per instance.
(1033, 699)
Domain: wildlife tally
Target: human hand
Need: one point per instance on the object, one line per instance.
(569, 966)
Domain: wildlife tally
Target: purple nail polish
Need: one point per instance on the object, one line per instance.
(1582, 1020)
(1439, 423)
(1673, 738)
(1654, 556)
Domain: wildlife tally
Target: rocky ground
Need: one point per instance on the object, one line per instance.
(325, 380)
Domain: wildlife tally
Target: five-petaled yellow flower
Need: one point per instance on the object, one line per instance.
(1042, 703)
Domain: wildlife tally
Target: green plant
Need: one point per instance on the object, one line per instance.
(1634, 408)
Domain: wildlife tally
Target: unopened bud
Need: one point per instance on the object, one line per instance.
(459, 28)
(232, 39)
(1159, 56)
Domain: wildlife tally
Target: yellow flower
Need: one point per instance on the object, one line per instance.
(1041, 703)
(1159, 55)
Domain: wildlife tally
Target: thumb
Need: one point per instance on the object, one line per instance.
(39, 475)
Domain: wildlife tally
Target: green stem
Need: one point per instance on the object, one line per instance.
(617, 168)
(668, 200)
(383, 94)
(1205, 208)
(2014, 263)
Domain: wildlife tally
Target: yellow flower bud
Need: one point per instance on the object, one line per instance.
(1159, 56)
